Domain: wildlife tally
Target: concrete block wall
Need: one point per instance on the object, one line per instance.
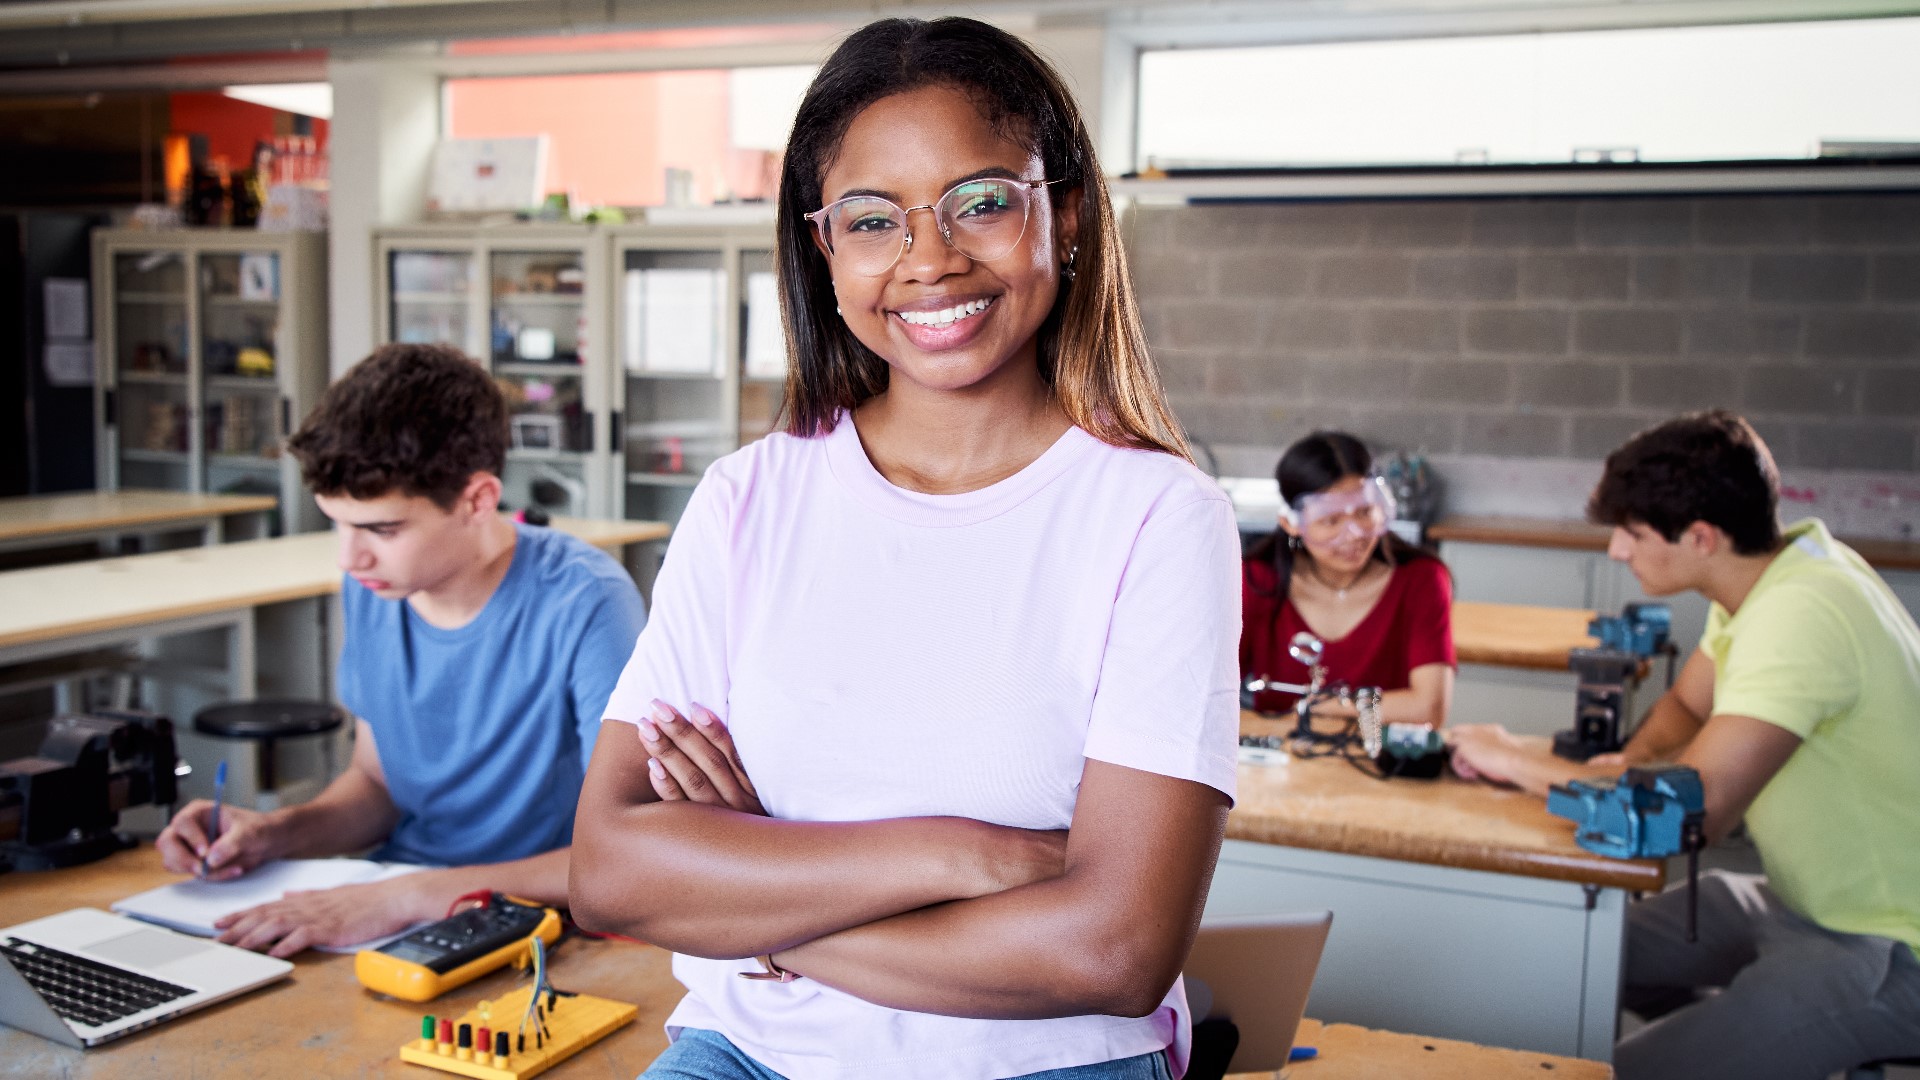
(1540, 329)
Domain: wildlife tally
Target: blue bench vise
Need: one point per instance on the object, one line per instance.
(1607, 674)
(1651, 812)
(1641, 629)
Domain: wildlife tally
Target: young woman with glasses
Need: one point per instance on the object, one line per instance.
(1382, 607)
(930, 737)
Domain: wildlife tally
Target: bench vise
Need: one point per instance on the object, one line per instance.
(1651, 812)
(59, 807)
(1608, 675)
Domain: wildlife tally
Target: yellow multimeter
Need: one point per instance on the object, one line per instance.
(456, 950)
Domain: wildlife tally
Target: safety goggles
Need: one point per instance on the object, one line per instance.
(981, 219)
(1330, 515)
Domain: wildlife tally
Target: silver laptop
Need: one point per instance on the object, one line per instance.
(1256, 970)
(84, 977)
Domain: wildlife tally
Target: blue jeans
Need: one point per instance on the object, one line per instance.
(707, 1055)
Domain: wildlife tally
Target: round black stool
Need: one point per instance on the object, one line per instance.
(1876, 1070)
(267, 722)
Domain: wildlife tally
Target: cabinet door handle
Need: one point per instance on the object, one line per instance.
(616, 436)
(111, 406)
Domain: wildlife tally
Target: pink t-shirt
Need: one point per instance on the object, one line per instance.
(881, 653)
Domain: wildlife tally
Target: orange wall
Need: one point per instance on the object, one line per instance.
(610, 137)
(232, 126)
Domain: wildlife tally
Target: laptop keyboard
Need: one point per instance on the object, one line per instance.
(86, 991)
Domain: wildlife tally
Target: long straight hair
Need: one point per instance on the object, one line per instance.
(1312, 465)
(1092, 351)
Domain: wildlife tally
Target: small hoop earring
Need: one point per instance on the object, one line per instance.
(1066, 268)
(837, 311)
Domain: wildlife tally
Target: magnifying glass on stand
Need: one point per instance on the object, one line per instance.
(1309, 650)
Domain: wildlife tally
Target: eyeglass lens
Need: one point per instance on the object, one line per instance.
(982, 219)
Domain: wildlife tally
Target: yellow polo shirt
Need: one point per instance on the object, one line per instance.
(1823, 648)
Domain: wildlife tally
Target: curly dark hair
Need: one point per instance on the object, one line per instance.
(1706, 466)
(418, 419)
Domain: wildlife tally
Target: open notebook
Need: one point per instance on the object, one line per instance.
(193, 906)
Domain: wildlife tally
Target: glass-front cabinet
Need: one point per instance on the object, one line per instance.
(527, 302)
(632, 356)
(701, 356)
(211, 342)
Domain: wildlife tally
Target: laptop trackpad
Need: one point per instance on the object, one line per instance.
(147, 948)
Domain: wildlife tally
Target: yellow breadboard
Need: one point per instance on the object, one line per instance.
(573, 1025)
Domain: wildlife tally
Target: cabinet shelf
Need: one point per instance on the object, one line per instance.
(243, 383)
(677, 376)
(652, 479)
(541, 299)
(240, 302)
(156, 457)
(238, 460)
(151, 298)
(542, 369)
(152, 378)
(678, 429)
(431, 298)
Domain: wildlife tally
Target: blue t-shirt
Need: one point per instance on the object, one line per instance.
(483, 732)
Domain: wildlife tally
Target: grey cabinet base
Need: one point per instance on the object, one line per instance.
(1489, 958)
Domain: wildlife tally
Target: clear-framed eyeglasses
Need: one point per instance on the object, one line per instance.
(981, 219)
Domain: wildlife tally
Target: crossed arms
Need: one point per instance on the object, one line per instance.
(935, 914)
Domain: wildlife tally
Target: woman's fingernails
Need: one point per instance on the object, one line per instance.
(661, 714)
(649, 732)
(658, 770)
(702, 715)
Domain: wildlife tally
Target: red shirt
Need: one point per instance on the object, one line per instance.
(1409, 626)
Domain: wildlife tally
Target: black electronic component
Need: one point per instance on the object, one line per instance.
(468, 936)
(65, 801)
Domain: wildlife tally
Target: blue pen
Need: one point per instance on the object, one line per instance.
(219, 795)
(1303, 1053)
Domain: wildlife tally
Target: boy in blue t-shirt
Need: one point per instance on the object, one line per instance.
(479, 656)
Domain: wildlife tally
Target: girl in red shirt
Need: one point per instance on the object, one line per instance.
(1383, 607)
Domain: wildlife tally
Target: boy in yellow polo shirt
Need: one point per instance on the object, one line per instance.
(1801, 712)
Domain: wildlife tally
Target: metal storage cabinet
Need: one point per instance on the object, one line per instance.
(210, 346)
(530, 303)
(690, 302)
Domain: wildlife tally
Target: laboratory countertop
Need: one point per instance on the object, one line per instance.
(1519, 635)
(320, 1022)
(58, 602)
(1328, 805)
(1580, 536)
(27, 516)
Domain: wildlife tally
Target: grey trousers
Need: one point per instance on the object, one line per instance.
(1781, 997)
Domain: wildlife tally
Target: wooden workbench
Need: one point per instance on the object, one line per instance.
(62, 602)
(1351, 1052)
(30, 521)
(1518, 635)
(48, 614)
(1327, 805)
(320, 1022)
(1435, 885)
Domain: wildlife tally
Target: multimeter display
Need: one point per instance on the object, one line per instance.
(473, 933)
(458, 949)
